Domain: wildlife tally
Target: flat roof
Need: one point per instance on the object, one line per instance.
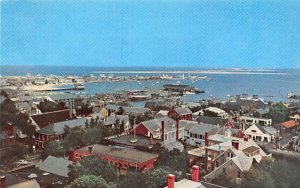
(141, 140)
(200, 152)
(250, 149)
(126, 154)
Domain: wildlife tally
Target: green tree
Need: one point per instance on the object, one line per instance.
(283, 174)
(92, 165)
(278, 113)
(224, 180)
(122, 126)
(4, 94)
(158, 177)
(132, 180)
(117, 127)
(53, 148)
(91, 181)
(49, 106)
(175, 160)
(262, 179)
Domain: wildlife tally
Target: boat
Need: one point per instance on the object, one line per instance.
(166, 77)
(181, 88)
(78, 87)
(189, 93)
(202, 77)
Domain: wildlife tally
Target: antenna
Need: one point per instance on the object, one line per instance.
(134, 140)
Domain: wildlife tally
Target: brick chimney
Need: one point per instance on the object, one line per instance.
(171, 181)
(90, 148)
(206, 138)
(235, 144)
(177, 129)
(72, 155)
(2, 182)
(195, 173)
(162, 130)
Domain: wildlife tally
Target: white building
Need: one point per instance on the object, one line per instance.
(260, 133)
(250, 120)
(220, 113)
(194, 132)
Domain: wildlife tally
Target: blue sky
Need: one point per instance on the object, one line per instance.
(208, 34)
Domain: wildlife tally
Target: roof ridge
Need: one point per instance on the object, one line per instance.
(51, 112)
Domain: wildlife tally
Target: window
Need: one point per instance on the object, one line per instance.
(254, 131)
(166, 137)
(239, 175)
(217, 164)
(228, 154)
(201, 137)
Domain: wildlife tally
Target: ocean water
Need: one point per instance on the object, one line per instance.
(271, 85)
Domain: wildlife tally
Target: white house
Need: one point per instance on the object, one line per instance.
(249, 119)
(220, 113)
(194, 132)
(260, 133)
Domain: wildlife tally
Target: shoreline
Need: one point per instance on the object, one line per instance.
(45, 87)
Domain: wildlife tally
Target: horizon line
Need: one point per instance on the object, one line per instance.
(138, 66)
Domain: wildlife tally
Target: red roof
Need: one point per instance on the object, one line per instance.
(290, 124)
(47, 118)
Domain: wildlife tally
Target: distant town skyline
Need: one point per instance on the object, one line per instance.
(152, 33)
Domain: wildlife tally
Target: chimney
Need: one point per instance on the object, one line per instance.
(2, 182)
(235, 144)
(70, 114)
(195, 173)
(90, 149)
(206, 138)
(171, 181)
(163, 130)
(72, 155)
(177, 129)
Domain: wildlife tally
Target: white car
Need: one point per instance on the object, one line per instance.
(22, 162)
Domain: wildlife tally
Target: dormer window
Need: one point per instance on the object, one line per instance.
(157, 131)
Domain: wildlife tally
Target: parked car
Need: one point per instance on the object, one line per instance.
(22, 162)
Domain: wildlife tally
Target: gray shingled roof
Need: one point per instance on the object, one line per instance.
(155, 124)
(57, 166)
(59, 128)
(113, 118)
(182, 111)
(60, 96)
(211, 120)
(262, 110)
(2, 99)
(135, 110)
(261, 128)
(112, 107)
(198, 128)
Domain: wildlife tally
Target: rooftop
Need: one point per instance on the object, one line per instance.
(47, 118)
(290, 124)
(121, 153)
(55, 165)
(59, 127)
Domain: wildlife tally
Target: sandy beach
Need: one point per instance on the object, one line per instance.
(45, 87)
